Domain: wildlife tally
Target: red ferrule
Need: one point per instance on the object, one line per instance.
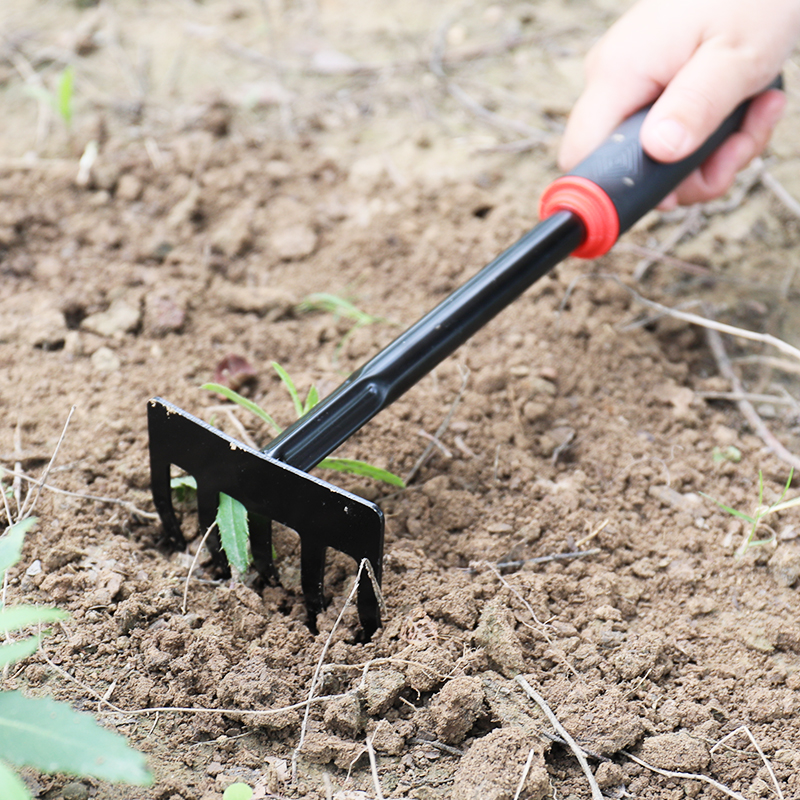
(588, 201)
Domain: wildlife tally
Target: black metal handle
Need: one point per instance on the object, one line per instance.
(417, 351)
(631, 184)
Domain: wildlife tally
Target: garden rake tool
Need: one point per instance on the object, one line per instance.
(583, 214)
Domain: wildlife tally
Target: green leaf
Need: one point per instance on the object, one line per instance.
(51, 737)
(11, 543)
(289, 384)
(11, 787)
(235, 397)
(362, 468)
(183, 482)
(66, 83)
(17, 617)
(16, 651)
(312, 398)
(234, 532)
(322, 301)
(237, 791)
(730, 510)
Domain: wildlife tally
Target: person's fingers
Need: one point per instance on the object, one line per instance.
(608, 99)
(696, 101)
(718, 172)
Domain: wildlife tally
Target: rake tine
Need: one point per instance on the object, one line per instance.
(261, 547)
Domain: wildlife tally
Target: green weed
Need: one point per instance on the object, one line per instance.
(60, 100)
(40, 732)
(755, 519)
(341, 309)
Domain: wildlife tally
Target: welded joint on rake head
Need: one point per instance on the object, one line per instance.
(322, 514)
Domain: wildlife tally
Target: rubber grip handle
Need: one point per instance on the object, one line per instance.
(620, 180)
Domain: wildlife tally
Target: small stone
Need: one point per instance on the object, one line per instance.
(129, 187)
(104, 359)
(534, 410)
(784, 564)
(456, 707)
(675, 751)
(267, 301)
(294, 242)
(114, 323)
(162, 315)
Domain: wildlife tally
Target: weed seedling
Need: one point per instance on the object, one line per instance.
(61, 100)
(341, 309)
(43, 733)
(755, 519)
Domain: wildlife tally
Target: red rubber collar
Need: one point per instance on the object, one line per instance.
(588, 201)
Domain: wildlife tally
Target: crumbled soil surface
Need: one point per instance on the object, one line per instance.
(250, 154)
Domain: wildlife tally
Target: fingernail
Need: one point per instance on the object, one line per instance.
(672, 135)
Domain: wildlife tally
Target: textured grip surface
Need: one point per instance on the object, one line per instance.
(633, 181)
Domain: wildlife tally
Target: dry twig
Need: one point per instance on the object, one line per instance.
(745, 406)
(689, 776)
(562, 731)
(767, 764)
(315, 680)
(194, 564)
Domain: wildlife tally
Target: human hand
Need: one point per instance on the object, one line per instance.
(697, 59)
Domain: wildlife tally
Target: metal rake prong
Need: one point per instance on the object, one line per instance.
(321, 514)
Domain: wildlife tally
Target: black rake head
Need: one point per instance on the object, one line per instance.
(321, 514)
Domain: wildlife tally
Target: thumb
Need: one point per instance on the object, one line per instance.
(696, 101)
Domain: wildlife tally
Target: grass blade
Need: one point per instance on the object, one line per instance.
(733, 511)
(66, 83)
(289, 384)
(51, 737)
(322, 301)
(362, 468)
(312, 398)
(16, 651)
(11, 787)
(234, 532)
(235, 397)
(13, 619)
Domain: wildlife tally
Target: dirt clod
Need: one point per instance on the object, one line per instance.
(456, 707)
(675, 751)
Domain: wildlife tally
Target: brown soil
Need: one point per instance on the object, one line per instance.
(244, 162)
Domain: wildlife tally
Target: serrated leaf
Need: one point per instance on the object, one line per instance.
(11, 543)
(234, 532)
(16, 651)
(11, 787)
(52, 737)
(362, 468)
(12, 619)
(235, 397)
(292, 389)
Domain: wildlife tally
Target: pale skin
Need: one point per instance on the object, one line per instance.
(697, 59)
